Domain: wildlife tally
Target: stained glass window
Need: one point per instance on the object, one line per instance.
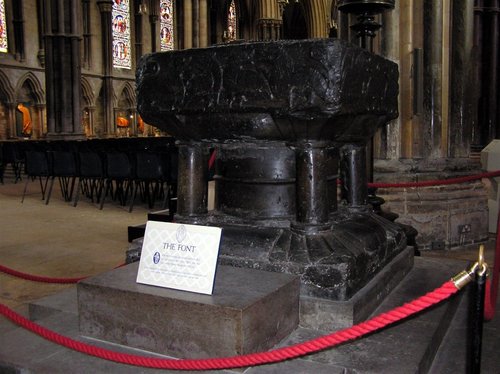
(3, 28)
(231, 22)
(121, 34)
(166, 25)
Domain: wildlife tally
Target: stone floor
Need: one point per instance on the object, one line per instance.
(59, 240)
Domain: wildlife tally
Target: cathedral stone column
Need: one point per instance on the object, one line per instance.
(491, 96)
(11, 119)
(39, 115)
(269, 29)
(433, 81)
(203, 28)
(312, 197)
(192, 185)
(461, 84)
(389, 145)
(352, 166)
(91, 116)
(41, 29)
(105, 7)
(154, 10)
(188, 24)
(269, 21)
(196, 24)
(315, 12)
(63, 68)
(133, 123)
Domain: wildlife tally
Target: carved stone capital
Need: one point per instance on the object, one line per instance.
(105, 6)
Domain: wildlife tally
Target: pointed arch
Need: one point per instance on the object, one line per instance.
(88, 107)
(6, 90)
(128, 94)
(295, 21)
(36, 89)
(87, 93)
(125, 111)
(315, 12)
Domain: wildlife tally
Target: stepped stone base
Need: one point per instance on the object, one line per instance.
(323, 314)
(249, 311)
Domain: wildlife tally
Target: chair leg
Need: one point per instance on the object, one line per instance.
(99, 190)
(25, 189)
(155, 194)
(67, 187)
(84, 185)
(63, 184)
(72, 188)
(128, 188)
(108, 182)
(91, 189)
(134, 194)
(50, 190)
(17, 172)
(77, 194)
(43, 186)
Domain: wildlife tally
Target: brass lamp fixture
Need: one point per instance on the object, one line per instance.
(366, 10)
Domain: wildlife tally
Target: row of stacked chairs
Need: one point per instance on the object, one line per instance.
(99, 169)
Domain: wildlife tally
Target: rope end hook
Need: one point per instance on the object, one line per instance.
(480, 267)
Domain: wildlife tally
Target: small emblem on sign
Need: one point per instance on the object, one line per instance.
(156, 257)
(181, 233)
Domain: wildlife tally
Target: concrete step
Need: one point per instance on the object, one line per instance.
(425, 343)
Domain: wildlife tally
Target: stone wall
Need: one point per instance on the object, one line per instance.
(445, 216)
(3, 122)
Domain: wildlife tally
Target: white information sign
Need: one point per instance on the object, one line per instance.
(179, 256)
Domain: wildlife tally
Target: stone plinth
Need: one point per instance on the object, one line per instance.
(328, 315)
(249, 311)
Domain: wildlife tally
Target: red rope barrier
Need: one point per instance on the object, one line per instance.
(42, 279)
(277, 355)
(436, 182)
(38, 278)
